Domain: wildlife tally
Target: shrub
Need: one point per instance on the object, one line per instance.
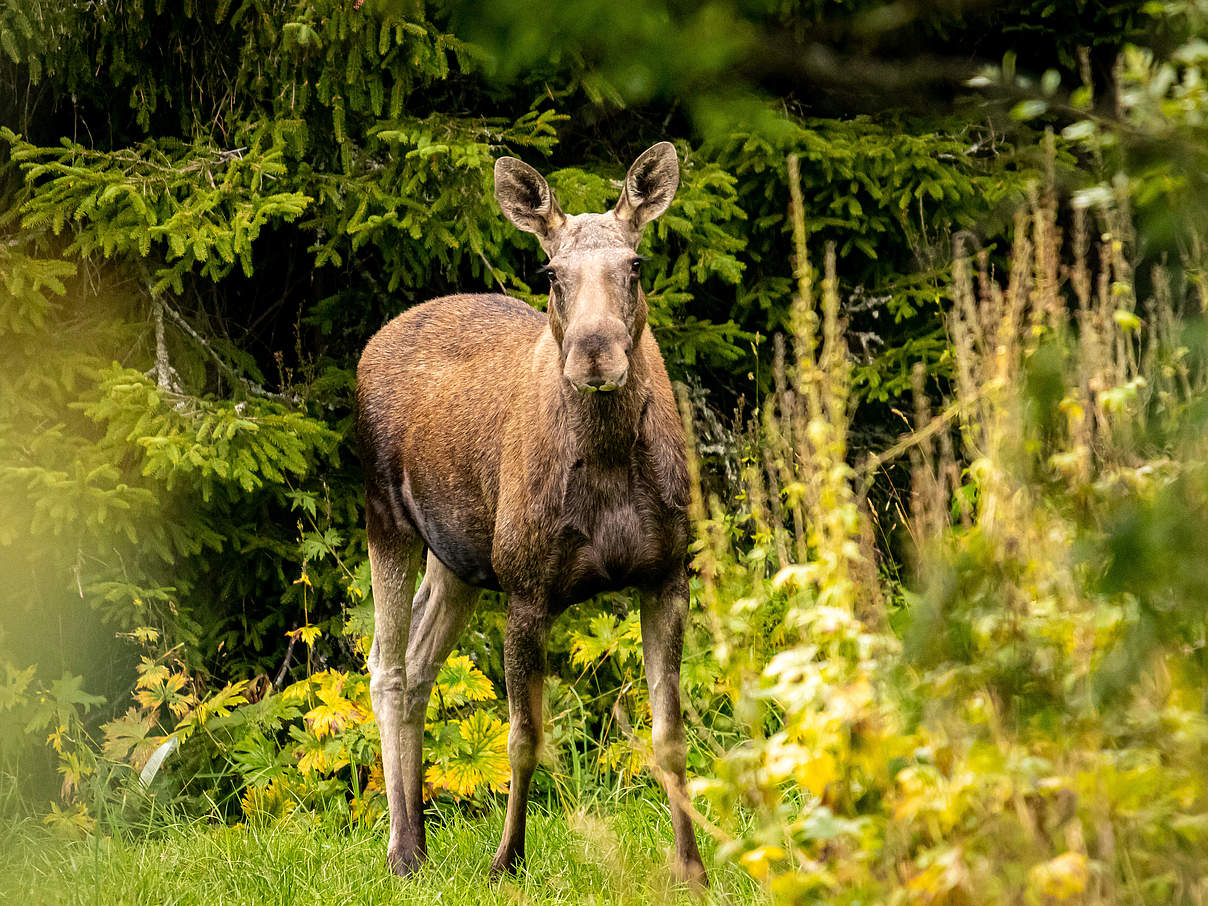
(1021, 720)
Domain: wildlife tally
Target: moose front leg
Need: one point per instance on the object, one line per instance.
(393, 564)
(524, 670)
(664, 612)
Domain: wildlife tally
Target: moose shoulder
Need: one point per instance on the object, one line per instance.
(539, 454)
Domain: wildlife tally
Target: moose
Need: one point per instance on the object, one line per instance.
(541, 455)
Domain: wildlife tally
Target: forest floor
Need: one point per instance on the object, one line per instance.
(617, 856)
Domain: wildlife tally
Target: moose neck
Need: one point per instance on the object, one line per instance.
(604, 426)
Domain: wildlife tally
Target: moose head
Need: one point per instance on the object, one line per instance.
(597, 309)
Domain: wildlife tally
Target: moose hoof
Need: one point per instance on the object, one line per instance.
(404, 862)
(692, 873)
(505, 863)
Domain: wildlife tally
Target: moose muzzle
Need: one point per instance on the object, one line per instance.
(597, 355)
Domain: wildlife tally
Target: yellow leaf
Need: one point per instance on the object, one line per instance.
(917, 793)
(758, 861)
(222, 702)
(459, 682)
(333, 715)
(1073, 410)
(76, 823)
(146, 634)
(945, 874)
(1126, 320)
(150, 674)
(298, 691)
(367, 809)
(307, 634)
(478, 757)
(625, 757)
(275, 799)
(319, 761)
(130, 737)
(1060, 878)
(817, 773)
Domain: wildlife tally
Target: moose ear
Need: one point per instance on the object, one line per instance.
(526, 198)
(650, 185)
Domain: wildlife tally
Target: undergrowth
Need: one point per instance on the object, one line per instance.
(1015, 715)
(1021, 718)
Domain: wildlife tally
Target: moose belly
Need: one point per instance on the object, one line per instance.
(466, 556)
(457, 535)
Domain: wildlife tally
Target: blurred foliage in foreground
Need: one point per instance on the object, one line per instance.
(1027, 724)
(1021, 716)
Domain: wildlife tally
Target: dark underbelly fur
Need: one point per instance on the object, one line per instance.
(593, 567)
(468, 561)
(466, 554)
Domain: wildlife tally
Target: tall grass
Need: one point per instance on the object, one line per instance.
(1033, 728)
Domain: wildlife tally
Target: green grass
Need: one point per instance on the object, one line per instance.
(617, 856)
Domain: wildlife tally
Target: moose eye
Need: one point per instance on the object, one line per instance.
(635, 266)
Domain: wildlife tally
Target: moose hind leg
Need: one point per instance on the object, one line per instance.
(394, 557)
(441, 609)
(663, 617)
(524, 670)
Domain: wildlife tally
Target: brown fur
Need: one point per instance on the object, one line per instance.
(484, 439)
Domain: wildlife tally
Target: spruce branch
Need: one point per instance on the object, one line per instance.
(166, 377)
(250, 386)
